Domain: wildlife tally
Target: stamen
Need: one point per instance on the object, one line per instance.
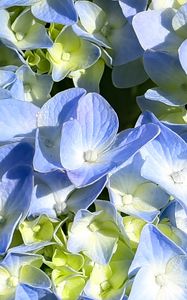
(90, 156)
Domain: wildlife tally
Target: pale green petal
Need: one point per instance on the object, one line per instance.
(34, 277)
(40, 229)
(89, 78)
(71, 288)
(133, 227)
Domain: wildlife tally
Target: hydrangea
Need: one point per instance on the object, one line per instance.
(160, 268)
(134, 195)
(92, 199)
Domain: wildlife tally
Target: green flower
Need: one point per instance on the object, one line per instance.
(89, 78)
(39, 230)
(96, 234)
(70, 53)
(37, 59)
(54, 30)
(107, 281)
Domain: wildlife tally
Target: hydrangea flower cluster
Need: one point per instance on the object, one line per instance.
(90, 211)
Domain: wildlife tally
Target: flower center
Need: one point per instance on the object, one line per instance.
(66, 56)
(90, 156)
(160, 279)
(36, 228)
(127, 199)
(48, 143)
(27, 88)
(12, 281)
(105, 285)
(178, 177)
(60, 207)
(94, 227)
(2, 219)
(107, 29)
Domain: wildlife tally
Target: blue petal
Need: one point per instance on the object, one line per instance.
(84, 197)
(129, 142)
(56, 11)
(25, 292)
(129, 75)
(71, 147)
(147, 198)
(9, 3)
(52, 115)
(176, 214)
(165, 70)
(179, 21)
(173, 98)
(16, 190)
(132, 7)
(6, 78)
(182, 55)
(94, 129)
(154, 29)
(29, 248)
(4, 94)
(14, 261)
(98, 121)
(125, 45)
(18, 119)
(15, 154)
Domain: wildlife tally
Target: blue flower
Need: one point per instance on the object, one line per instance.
(96, 234)
(84, 142)
(54, 194)
(18, 120)
(21, 277)
(132, 194)
(160, 268)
